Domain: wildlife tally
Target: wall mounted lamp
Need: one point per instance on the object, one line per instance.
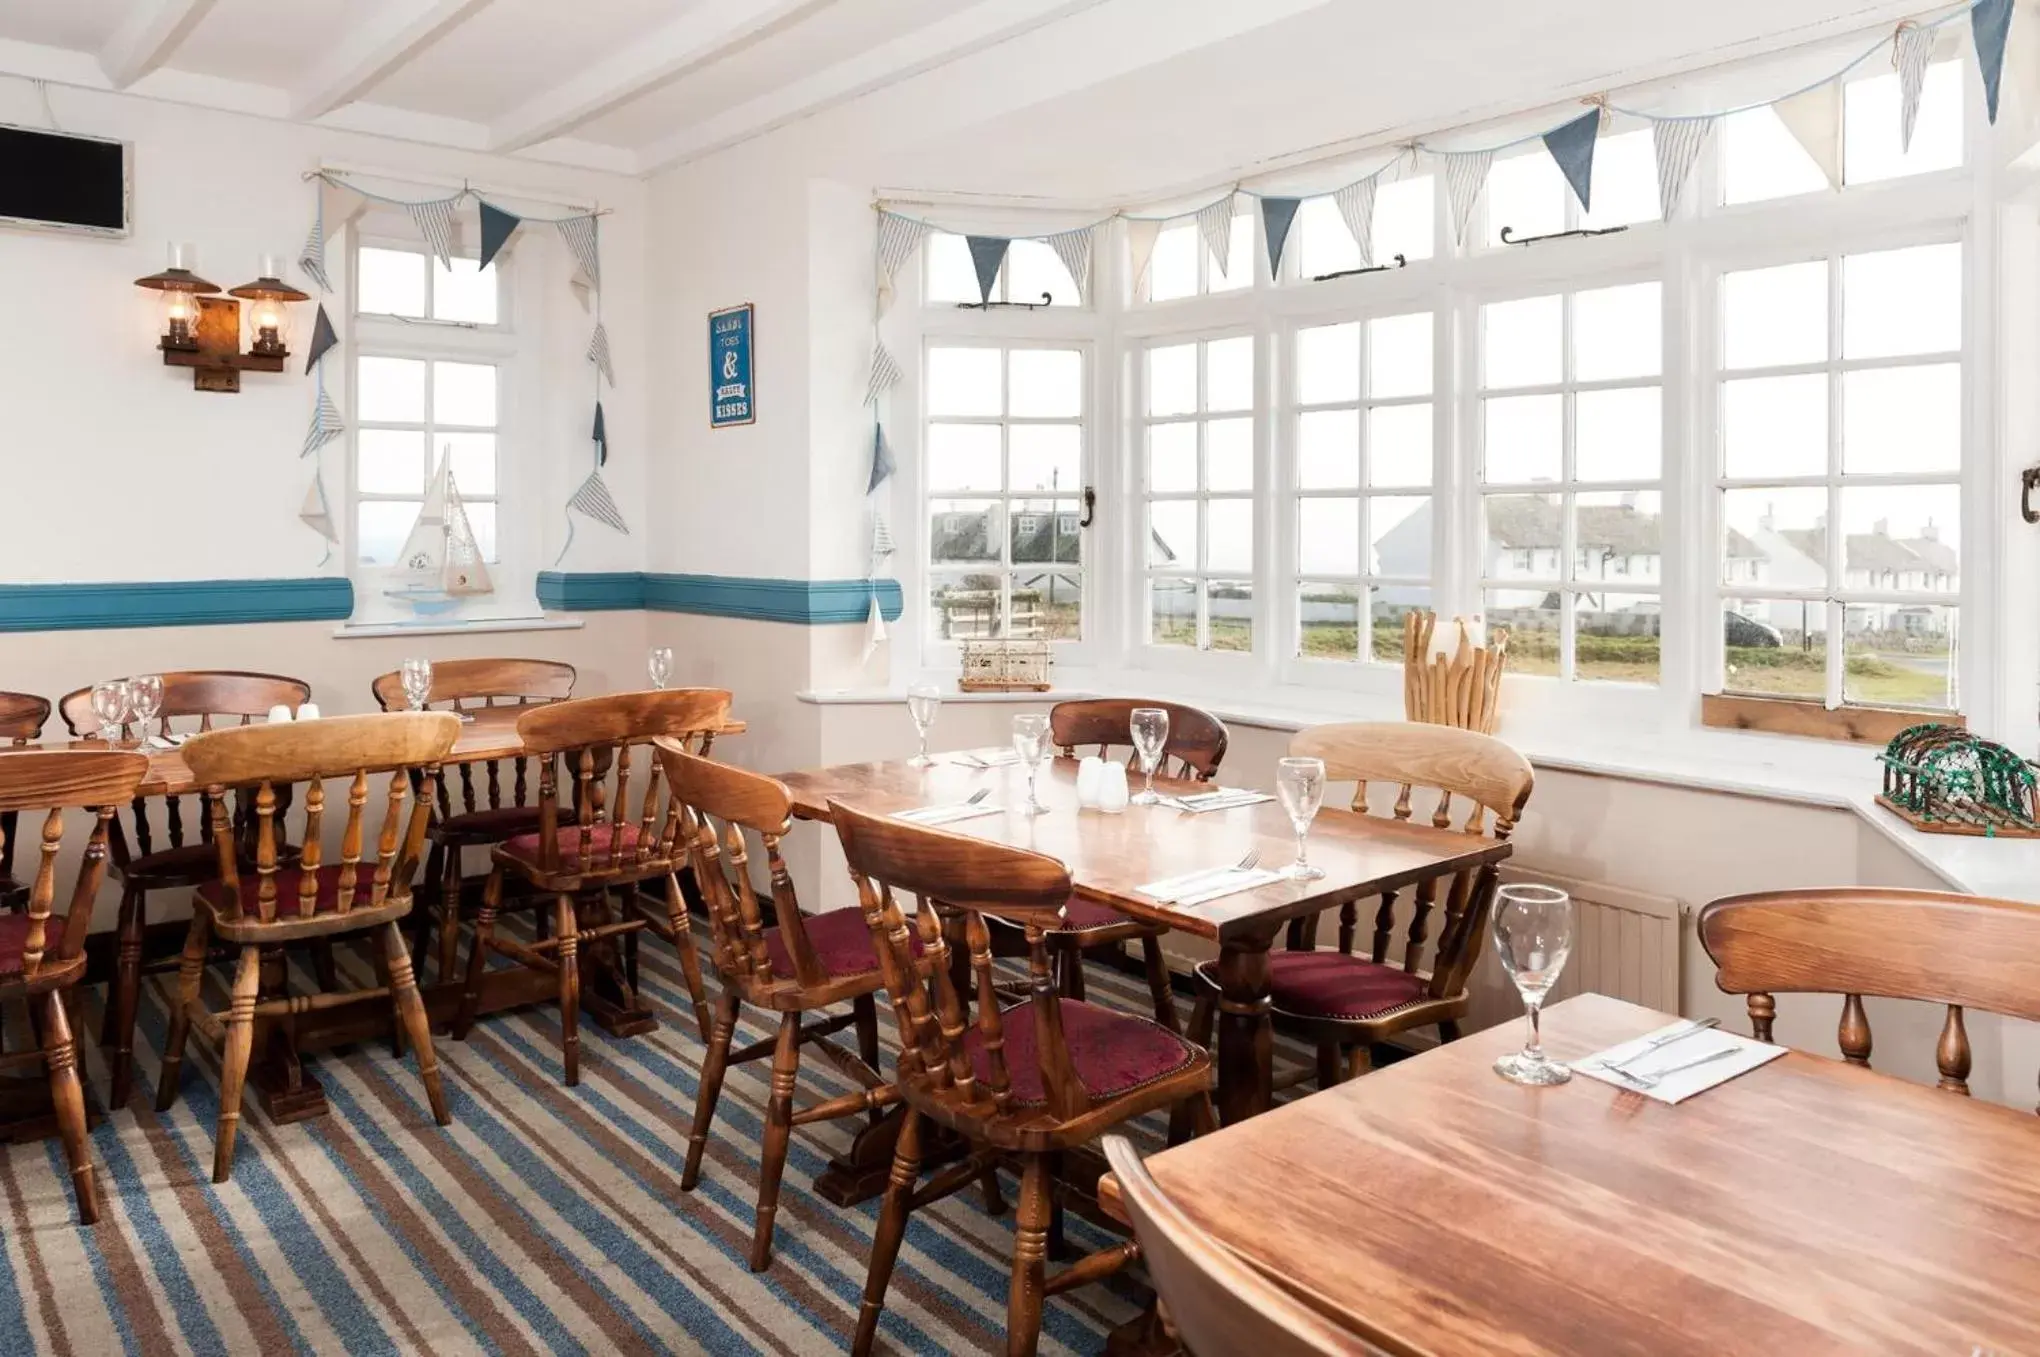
(202, 330)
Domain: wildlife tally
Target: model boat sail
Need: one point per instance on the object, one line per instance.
(440, 563)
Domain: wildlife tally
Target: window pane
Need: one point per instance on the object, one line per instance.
(1172, 268)
(1031, 530)
(1230, 546)
(1774, 647)
(1902, 539)
(951, 275)
(1900, 655)
(1069, 537)
(963, 457)
(1524, 536)
(1172, 380)
(1399, 356)
(474, 462)
(1049, 605)
(1391, 604)
(1902, 301)
(964, 382)
(1531, 618)
(1032, 268)
(1761, 159)
(1618, 538)
(381, 527)
(1616, 333)
(1047, 383)
(1328, 363)
(1172, 612)
(1229, 454)
(1172, 534)
(1625, 181)
(389, 282)
(1328, 621)
(1399, 535)
(1240, 254)
(1328, 536)
(1046, 456)
(1328, 449)
(1399, 445)
(482, 519)
(1902, 419)
(1775, 316)
(1321, 234)
(1870, 126)
(464, 393)
(1774, 538)
(963, 530)
(1404, 213)
(390, 390)
(1526, 195)
(964, 606)
(1615, 638)
(465, 293)
(1521, 342)
(1229, 374)
(1172, 458)
(1618, 435)
(390, 461)
(1229, 604)
(1523, 438)
(1775, 426)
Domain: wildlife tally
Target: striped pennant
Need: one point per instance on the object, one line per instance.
(885, 373)
(882, 544)
(326, 422)
(1141, 235)
(1215, 222)
(1912, 48)
(898, 238)
(598, 352)
(1356, 206)
(580, 235)
(1465, 175)
(312, 259)
(1677, 142)
(594, 500)
(434, 221)
(1074, 249)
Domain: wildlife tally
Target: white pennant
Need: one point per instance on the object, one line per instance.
(874, 626)
(435, 222)
(1215, 222)
(1677, 142)
(579, 233)
(326, 424)
(882, 544)
(1356, 205)
(1141, 235)
(315, 514)
(1074, 249)
(1911, 51)
(898, 238)
(598, 352)
(582, 287)
(1466, 174)
(1814, 118)
(885, 373)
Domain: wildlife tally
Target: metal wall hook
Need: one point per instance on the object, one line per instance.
(1046, 300)
(1582, 233)
(1400, 263)
(2028, 479)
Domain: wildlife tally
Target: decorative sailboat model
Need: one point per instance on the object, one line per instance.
(440, 564)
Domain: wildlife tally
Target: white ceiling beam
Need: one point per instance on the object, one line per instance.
(704, 34)
(147, 38)
(381, 41)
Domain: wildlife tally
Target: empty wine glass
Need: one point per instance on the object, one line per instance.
(1533, 928)
(417, 677)
(1030, 741)
(1150, 729)
(923, 701)
(1300, 782)
(110, 703)
(659, 666)
(145, 696)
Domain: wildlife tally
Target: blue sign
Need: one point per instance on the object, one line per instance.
(732, 400)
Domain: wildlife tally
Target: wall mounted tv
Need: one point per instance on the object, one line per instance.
(57, 182)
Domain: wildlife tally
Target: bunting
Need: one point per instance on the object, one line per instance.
(1572, 147)
(1911, 51)
(434, 220)
(1990, 25)
(874, 615)
(885, 373)
(1356, 205)
(1466, 174)
(600, 435)
(1814, 118)
(882, 464)
(1141, 235)
(598, 353)
(326, 423)
(594, 500)
(1277, 216)
(1677, 142)
(898, 238)
(497, 227)
(987, 256)
(312, 259)
(323, 339)
(1215, 222)
(1074, 249)
(580, 235)
(317, 515)
(583, 288)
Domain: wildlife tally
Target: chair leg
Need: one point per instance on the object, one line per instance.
(1203, 1015)
(778, 1131)
(1161, 987)
(690, 958)
(1361, 1061)
(892, 1228)
(1328, 1071)
(240, 1046)
(1448, 1030)
(1069, 965)
(446, 916)
(190, 979)
(566, 929)
(412, 1018)
(379, 957)
(710, 1089)
(67, 1100)
(478, 956)
(1030, 1263)
(864, 1009)
(127, 989)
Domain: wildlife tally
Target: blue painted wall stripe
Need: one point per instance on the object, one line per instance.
(172, 603)
(591, 591)
(806, 602)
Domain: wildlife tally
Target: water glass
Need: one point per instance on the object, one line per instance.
(111, 702)
(145, 695)
(417, 677)
(659, 666)
(1300, 783)
(1533, 930)
(923, 701)
(1030, 742)
(1149, 727)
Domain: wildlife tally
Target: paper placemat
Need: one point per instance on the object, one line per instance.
(948, 815)
(1194, 888)
(1678, 1069)
(982, 758)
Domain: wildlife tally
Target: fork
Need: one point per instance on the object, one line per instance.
(1660, 1042)
(1191, 884)
(1646, 1082)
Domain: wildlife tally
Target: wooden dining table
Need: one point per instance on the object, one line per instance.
(1807, 1206)
(1111, 856)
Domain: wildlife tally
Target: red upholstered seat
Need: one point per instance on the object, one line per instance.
(1113, 1053)
(496, 823)
(1335, 985)
(842, 943)
(14, 939)
(288, 882)
(186, 865)
(526, 847)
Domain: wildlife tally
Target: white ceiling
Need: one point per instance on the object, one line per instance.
(1059, 98)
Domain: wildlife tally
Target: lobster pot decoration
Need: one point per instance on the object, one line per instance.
(1943, 780)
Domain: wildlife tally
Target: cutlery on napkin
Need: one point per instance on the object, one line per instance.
(954, 811)
(1212, 883)
(1223, 799)
(1675, 1062)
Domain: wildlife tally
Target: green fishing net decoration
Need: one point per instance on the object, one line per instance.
(1942, 777)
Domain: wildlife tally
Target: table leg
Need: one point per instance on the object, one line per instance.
(1246, 1036)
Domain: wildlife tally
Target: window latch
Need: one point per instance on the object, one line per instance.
(1091, 507)
(2028, 478)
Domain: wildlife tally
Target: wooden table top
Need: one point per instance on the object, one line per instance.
(1807, 1206)
(1110, 856)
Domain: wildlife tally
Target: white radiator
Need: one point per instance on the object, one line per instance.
(1625, 944)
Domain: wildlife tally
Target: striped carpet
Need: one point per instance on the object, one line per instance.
(543, 1220)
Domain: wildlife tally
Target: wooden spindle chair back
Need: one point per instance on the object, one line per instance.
(1197, 739)
(22, 717)
(52, 782)
(1961, 951)
(476, 685)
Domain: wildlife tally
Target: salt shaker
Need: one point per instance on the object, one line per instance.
(278, 713)
(1090, 780)
(1112, 793)
(308, 711)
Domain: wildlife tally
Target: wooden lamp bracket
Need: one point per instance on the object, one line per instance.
(215, 356)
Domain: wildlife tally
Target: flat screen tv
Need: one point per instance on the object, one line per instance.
(58, 182)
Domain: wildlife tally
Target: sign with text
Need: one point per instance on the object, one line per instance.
(732, 399)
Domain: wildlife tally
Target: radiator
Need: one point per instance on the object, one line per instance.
(1625, 944)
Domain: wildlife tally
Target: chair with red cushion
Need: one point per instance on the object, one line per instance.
(1020, 1086)
(580, 861)
(1346, 1003)
(275, 903)
(21, 721)
(797, 964)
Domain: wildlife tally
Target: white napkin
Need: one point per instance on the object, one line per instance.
(1223, 799)
(1194, 888)
(1741, 1056)
(979, 758)
(950, 814)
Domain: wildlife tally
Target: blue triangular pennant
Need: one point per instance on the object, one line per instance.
(1990, 23)
(1276, 216)
(881, 458)
(496, 228)
(601, 437)
(323, 339)
(987, 253)
(1572, 146)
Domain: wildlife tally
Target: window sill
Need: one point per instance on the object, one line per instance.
(364, 631)
(1811, 720)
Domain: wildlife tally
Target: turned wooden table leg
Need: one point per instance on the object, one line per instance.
(1246, 1038)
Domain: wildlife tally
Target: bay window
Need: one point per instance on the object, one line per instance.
(1198, 486)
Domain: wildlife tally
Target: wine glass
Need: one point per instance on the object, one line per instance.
(1533, 928)
(1030, 741)
(145, 693)
(110, 703)
(417, 677)
(1300, 782)
(923, 701)
(659, 666)
(1150, 729)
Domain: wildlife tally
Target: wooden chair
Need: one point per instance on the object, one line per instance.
(1028, 1083)
(22, 716)
(468, 686)
(791, 966)
(579, 863)
(199, 699)
(1216, 1305)
(1964, 951)
(1346, 1002)
(42, 957)
(275, 903)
